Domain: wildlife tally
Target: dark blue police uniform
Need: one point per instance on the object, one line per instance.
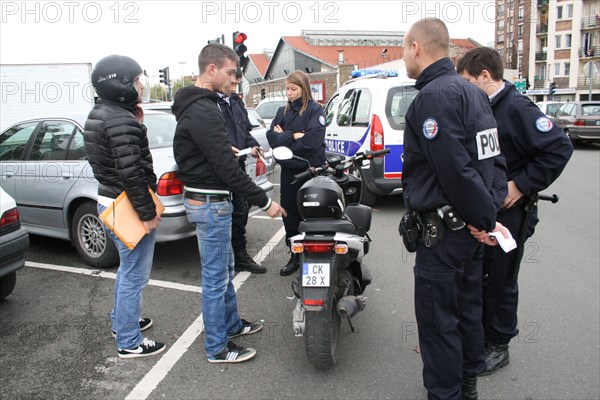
(238, 129)
(451, 157)
(536, 153)
(310, 147)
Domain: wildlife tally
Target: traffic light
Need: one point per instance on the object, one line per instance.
(240, 48)
(552, 88)
(263, 93)
(164, 76)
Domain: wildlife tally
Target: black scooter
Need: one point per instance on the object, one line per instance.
(332, 241)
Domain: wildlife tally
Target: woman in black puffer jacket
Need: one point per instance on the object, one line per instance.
(117, 149)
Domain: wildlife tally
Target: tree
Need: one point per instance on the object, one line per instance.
(158, 92)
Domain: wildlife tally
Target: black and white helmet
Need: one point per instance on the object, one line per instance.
(113, 78)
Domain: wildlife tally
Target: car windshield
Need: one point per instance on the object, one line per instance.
(161, 129)
(269, 109)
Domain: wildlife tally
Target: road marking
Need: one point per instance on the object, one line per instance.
(164, 365)
(112, 275)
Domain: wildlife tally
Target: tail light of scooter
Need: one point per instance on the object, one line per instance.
(261, 168)
(314, 302)
(319, 247)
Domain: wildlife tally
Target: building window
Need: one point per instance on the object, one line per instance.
(500, 10)
(521, 12)
(556, 69)
(520, 46)
(567, 69)
(520, 30)
(568, 37)
(501, 52)
(559, 12)
(558, 41)
(501, 38)
(501, 24)
(569, 10)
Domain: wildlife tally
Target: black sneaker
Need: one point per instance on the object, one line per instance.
(248, 328)
(233, 354)
(147, 348)
(145, 323)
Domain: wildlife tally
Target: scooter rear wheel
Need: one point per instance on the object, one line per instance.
(321, 335)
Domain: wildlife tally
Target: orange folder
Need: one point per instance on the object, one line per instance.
(121, 218)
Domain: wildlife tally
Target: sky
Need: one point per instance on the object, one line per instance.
(172, 33)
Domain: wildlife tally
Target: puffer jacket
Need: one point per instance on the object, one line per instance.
(117, 149)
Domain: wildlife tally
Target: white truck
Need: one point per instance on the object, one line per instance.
(41, 90)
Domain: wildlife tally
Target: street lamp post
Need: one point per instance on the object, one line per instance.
(182, 75)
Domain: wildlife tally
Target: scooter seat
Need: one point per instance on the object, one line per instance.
(325, 225)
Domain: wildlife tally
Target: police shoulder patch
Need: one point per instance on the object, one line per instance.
(543, 124)
(322, 120)
(430, 128)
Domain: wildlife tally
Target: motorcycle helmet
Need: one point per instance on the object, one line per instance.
(113, 79)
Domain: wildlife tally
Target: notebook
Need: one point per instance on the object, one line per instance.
(121, 218)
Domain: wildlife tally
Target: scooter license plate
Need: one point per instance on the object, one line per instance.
(315, 275)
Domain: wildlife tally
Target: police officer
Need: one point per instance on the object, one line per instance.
(299, 125)
(453, 174)
(238, 129)
(536, 153)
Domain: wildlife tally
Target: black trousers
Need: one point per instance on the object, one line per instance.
(501, 289)
(289, 192)
(239, 220)
(448, 307)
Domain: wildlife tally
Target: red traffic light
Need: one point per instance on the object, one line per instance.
(240, 37)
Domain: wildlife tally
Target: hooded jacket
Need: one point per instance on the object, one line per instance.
(202, 148)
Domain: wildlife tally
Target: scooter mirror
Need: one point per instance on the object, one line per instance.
(282, 153)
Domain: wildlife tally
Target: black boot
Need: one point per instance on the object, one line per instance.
(469, 388)
(292, 265)
(243, 262)
(496, 357)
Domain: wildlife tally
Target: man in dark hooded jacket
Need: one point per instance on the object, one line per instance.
(210, 171)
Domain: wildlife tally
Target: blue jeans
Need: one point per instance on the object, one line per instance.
(219, 303)
(132, 277)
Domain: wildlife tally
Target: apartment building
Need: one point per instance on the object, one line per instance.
(549, 42)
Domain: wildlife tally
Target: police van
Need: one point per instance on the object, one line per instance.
(368, 113)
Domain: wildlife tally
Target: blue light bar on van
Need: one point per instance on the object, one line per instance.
(364, 72)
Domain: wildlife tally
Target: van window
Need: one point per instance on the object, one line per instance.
(330, 109)
(362, 112)
(398, 100)
(345, 110)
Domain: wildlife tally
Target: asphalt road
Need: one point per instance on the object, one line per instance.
(56, 342)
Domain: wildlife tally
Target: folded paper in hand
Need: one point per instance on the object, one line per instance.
(121, 218)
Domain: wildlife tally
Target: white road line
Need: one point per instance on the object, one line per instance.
(162, 368)
(111, 275)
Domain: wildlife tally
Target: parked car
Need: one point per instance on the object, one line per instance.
(549, 107)
(14, 241)
(580, 120)
(368, 113)
(267, 108)
(43, 165)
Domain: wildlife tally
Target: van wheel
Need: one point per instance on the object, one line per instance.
(7, 284)
(367, 197)
(91, 240)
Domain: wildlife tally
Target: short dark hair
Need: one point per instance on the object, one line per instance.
(215, 53)
(480, 58)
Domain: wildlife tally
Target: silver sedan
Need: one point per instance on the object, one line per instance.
(43, 166)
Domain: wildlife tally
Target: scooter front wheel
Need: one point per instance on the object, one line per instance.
(321, 335)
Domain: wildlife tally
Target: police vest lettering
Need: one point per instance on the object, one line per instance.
(488, 144)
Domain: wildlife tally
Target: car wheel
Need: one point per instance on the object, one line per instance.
(7, 284)
(91, 240)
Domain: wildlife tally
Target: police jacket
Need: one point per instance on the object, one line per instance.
(536, 150)
(451, 151)
(311, 146)
(117, 148)
(202, 148)
(237, 123)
